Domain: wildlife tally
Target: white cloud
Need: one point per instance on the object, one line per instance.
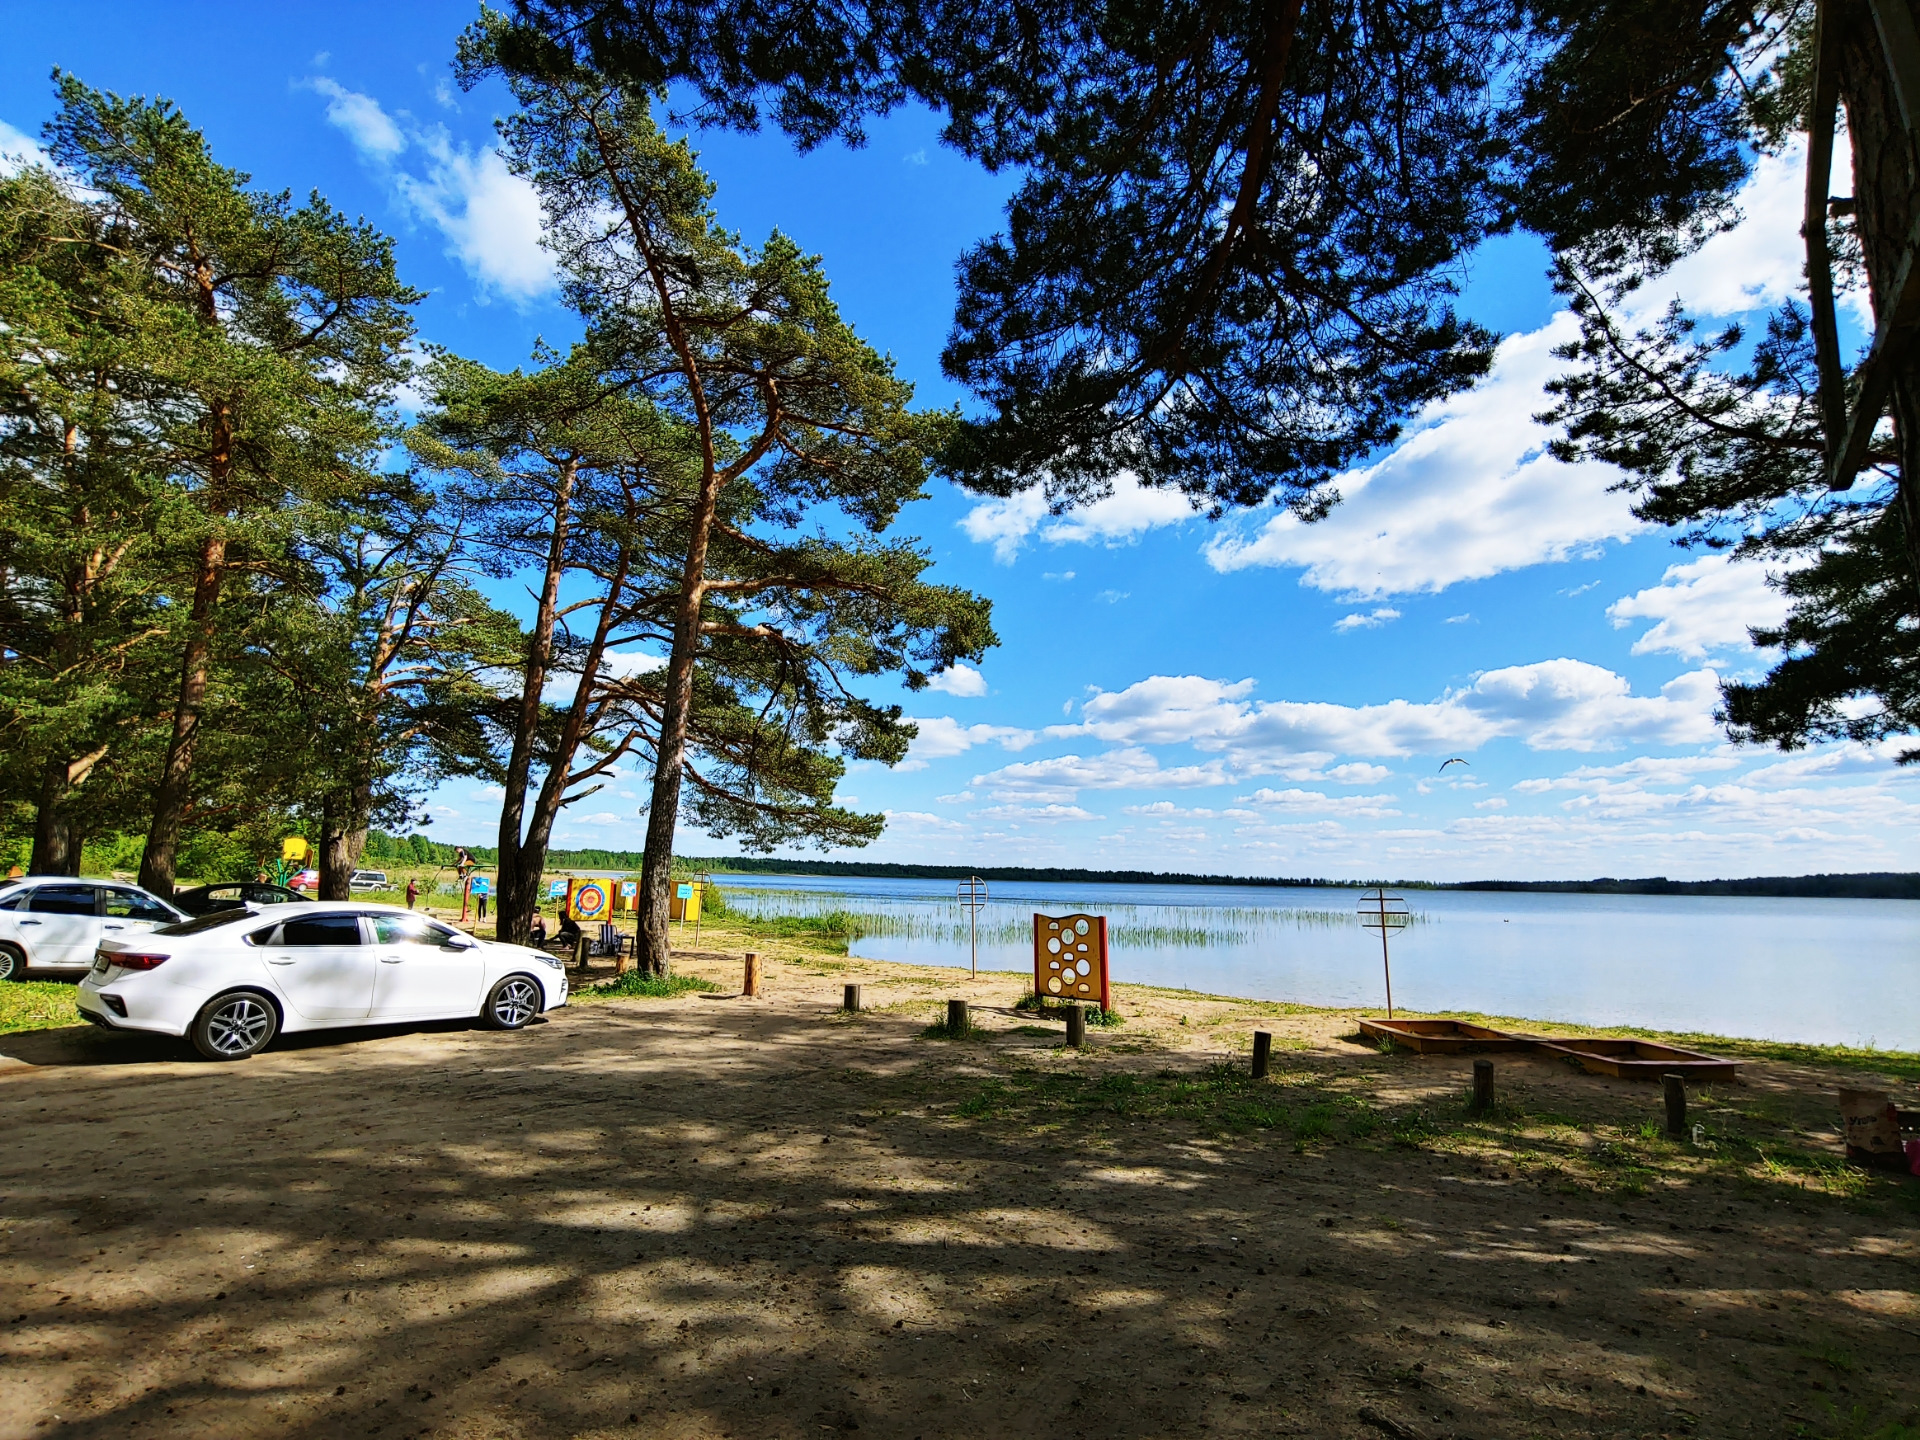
(1165, 709)
(1472, 493)
(1369, 621)
(620, 664)
(1125, 515)
(1704, 605)
(1042, 813)
(1313, 801)
(1846, 759)
(1357, 773)
(1761, 261)
(960, 680)
(489, 216)
(921, 820)
(373, 132)
(1063, 776)
(941, 737)
(1550, 705)
(1641, 770)
(18, 151)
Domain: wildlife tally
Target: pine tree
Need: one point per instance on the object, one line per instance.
(271, 337)
(82, 562)
(792, 416)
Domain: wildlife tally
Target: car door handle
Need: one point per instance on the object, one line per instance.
(393, 959)
(281, 960)
(113, 927)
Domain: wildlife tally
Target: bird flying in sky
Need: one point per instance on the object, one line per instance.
(1456, 760)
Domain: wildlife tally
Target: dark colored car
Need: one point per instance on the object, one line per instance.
(207, 899)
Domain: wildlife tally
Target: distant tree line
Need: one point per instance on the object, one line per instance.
(242, 593)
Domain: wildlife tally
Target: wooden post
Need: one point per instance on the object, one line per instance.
(580, 953)
(1262, 1053)
(851, 1001)
(958, 1021)
(750, 983)
(1076, 1026)
(1675, 1087)
(1482, 1087)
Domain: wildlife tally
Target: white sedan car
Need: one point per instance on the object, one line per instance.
(232, 980)
(52, 923)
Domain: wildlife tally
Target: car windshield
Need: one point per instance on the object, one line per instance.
(202, 923)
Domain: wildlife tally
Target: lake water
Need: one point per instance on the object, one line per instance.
(1823, 971)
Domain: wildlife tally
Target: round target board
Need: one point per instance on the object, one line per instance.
(1070, 958)
(588, 900)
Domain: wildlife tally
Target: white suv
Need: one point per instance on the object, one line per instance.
(54, 923)
(368, 880)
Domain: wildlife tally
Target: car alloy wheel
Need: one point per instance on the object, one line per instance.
(11, 967)
(235, 1026)
(514, 1002)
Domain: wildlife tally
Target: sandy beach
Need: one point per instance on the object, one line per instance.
(722, 1217)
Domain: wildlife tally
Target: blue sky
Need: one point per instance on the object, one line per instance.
(1252, 696)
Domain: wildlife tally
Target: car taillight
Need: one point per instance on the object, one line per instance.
(133, 960)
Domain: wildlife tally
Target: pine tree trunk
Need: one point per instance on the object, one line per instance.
(51, 839)
(517, 885)
(1883, 186)
(343, 838)
(176, 775)
(653, 949)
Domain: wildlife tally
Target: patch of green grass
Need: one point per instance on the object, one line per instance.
(833, 930)
(652, 987)
(36, 1005)
(1096, 1017)
(940, 1030)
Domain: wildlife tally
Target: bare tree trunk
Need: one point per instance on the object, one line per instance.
(1883, 185)
(654, 951)
(176, 775)
(343, 838)
(51, 832)
(517, 891)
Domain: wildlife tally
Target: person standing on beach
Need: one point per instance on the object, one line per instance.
(413, 892)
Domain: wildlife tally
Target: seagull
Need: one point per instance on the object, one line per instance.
(1456, 760)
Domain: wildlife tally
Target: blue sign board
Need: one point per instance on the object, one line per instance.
(556, 888)
(683, 892)
(481, 885)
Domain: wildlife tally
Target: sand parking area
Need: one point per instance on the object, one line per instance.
(708, 1217)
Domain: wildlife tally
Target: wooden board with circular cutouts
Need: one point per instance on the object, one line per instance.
(1070, 958)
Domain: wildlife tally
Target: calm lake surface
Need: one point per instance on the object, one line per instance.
(1823, 971)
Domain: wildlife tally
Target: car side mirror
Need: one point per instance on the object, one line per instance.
(461, 942)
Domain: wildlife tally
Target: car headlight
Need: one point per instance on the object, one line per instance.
(545, 959)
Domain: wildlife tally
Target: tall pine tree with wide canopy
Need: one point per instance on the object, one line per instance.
(786, 587)
(1226, 264)
(272, 337)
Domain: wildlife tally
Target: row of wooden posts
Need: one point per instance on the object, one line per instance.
(960, 1020)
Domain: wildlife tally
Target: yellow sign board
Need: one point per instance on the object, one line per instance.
(294, 848)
